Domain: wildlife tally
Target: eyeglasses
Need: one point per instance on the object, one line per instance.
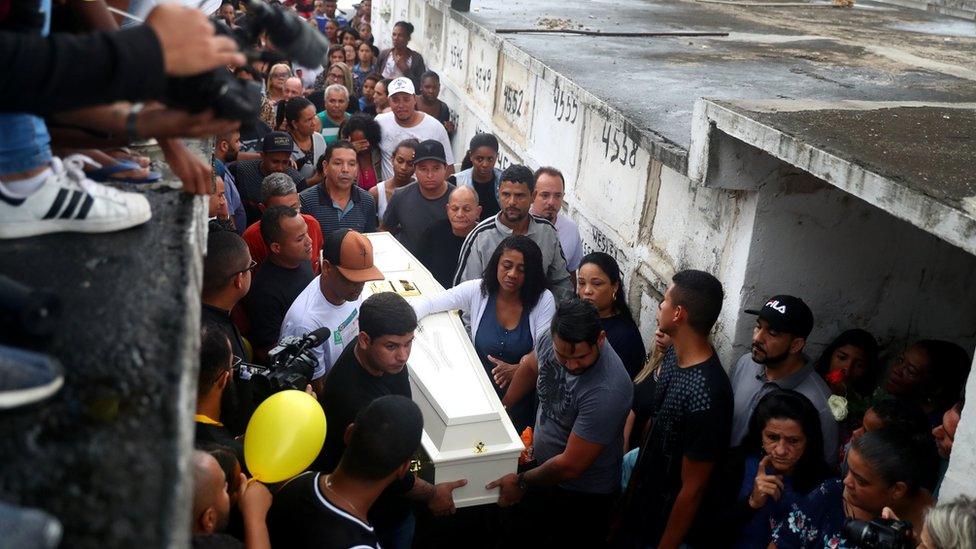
(235, 364)
(250, 267)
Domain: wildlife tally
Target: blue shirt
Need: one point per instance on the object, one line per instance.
(234, 203)
(756, 532)
(816, 521)
(510, 346)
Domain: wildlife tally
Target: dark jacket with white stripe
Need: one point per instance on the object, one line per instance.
(487, 235)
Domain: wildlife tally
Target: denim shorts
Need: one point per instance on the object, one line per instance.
(24, 143)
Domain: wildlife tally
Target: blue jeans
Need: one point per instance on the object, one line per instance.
(24, 141)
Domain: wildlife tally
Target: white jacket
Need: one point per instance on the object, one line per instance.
(467, 297)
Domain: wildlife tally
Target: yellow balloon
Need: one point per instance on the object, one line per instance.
(284, 436)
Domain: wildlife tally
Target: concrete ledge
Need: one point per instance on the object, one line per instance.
(108, 455)
(917, 171)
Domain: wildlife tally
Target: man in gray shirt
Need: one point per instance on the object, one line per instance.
(777, 361)
(584, 398)
(515, 198)
(417, 206)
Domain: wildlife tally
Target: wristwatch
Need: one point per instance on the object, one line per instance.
(130, 122)
(520, 481)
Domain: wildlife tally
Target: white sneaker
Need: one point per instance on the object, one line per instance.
(70, 202)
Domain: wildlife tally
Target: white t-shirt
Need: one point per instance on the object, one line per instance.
(569, 239)
(311, 311)
(309, 74)
(393, 134)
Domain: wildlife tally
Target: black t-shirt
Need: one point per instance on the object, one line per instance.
(236, 405)
(487, 199)
(440, 251)
(206, 434)
(302, 516)
(625, 338)
(348, 389)
(642, 407)
(272, 292)
(693, 419)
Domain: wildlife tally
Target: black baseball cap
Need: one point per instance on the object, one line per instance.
(277, 142)
(430, 149)
(786, 313)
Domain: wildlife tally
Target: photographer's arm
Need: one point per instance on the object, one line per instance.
(49, 74)
(59, 72)
(104, 125)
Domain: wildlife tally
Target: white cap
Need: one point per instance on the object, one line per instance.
(401, 85)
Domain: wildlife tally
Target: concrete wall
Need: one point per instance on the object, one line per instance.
(856, 266)
(963, 9)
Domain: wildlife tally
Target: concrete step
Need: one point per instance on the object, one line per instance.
(108, 454)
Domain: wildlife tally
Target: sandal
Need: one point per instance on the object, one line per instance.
(125, 153)
(105, 174)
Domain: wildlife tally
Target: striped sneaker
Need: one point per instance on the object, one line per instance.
(70, 202)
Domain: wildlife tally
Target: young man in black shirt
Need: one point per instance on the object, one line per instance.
(279, 280)
(692, 421)
(372, 366)
(226, 280)
(215, 375)
(443, 240)
(330, 511)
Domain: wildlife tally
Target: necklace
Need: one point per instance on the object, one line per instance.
(328, 485)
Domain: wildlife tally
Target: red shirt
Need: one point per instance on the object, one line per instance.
(367, 177)
(259, 251)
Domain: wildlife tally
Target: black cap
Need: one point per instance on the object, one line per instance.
(430, 149)
(786, 313)
(277, 142)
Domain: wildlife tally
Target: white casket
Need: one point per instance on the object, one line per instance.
(467, 433)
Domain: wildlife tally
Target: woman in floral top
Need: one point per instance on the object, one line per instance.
(886, 468)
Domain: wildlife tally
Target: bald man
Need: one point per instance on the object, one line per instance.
(211, 503)
(443, 239)
(293, 87)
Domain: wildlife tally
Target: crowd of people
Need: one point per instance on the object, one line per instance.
(628, 448)
(666, 450)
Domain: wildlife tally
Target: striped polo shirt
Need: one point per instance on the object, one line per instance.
(358, 215)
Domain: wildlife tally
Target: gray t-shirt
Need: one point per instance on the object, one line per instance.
(593, 405)
(749, 384)
(409, 214)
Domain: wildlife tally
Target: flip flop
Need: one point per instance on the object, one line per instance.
(125, 153)
(105, 173)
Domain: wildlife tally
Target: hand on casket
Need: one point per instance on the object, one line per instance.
(442, 502)
(509, 492)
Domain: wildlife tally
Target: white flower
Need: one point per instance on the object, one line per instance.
(838, 407)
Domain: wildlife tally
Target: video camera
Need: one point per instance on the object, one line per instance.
(292, 365)
(235, 99)
(880, 534)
